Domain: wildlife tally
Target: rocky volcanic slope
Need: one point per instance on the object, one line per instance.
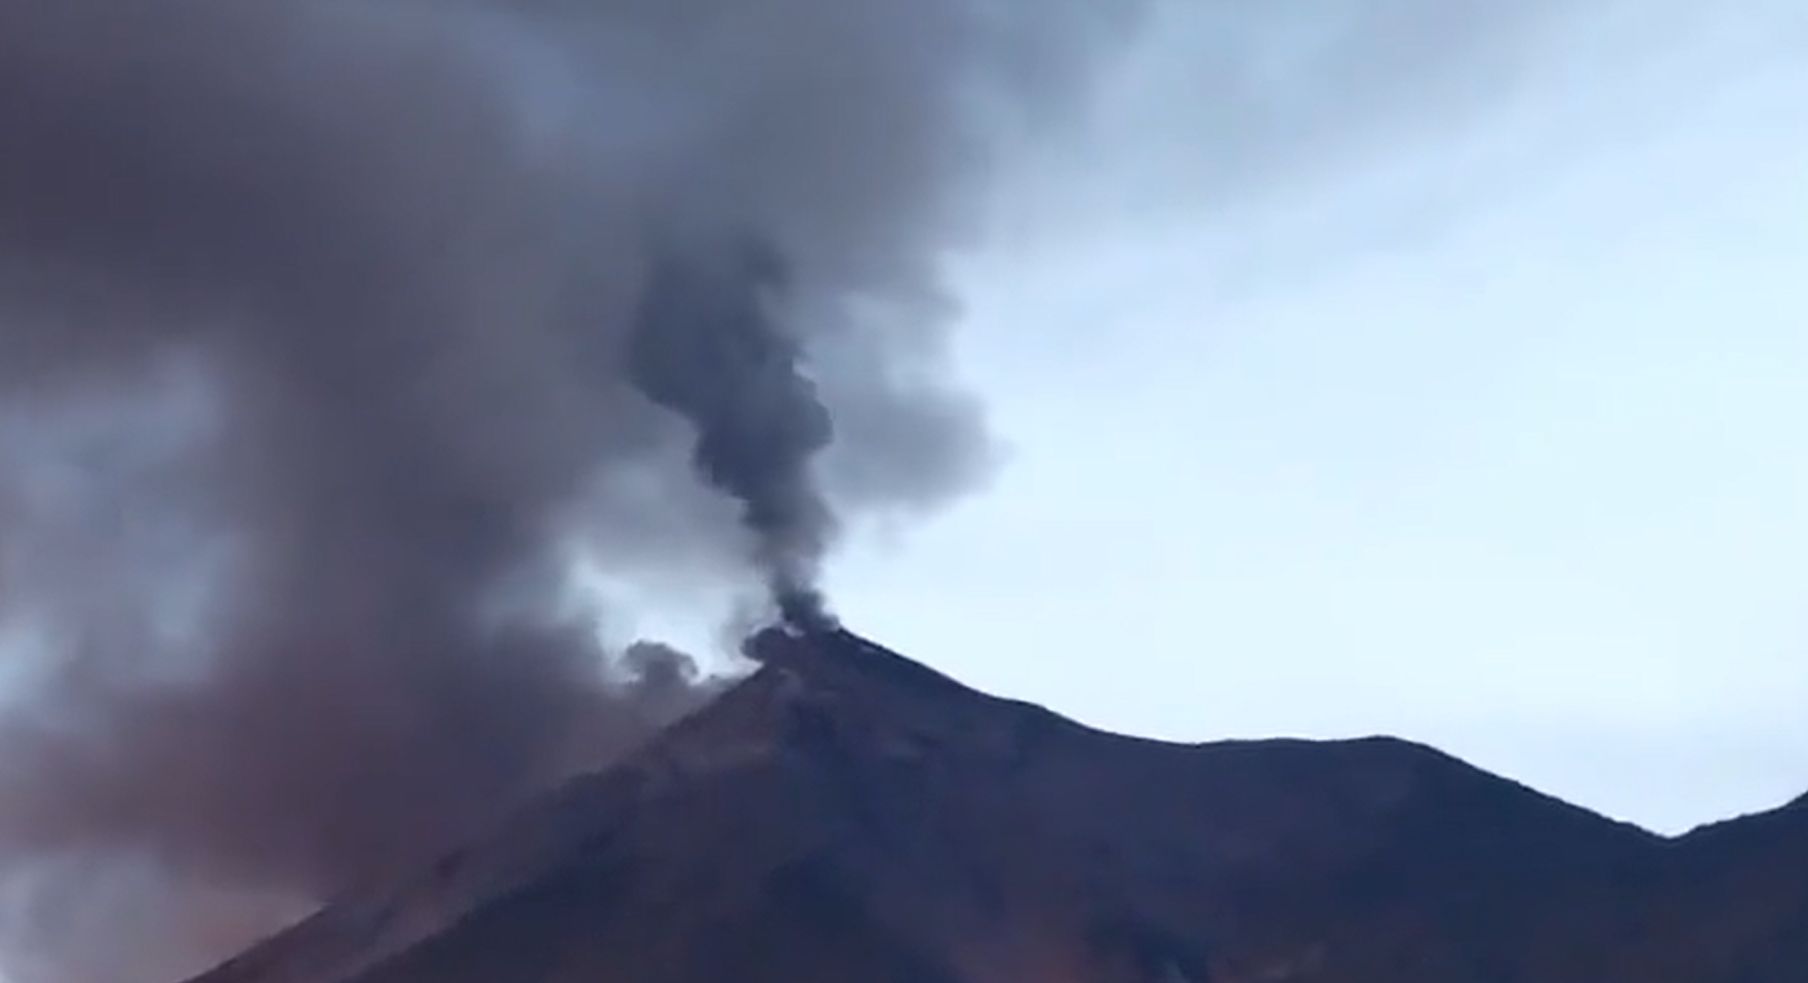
(847, 815)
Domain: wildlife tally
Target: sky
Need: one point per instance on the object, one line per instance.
(1412, 367)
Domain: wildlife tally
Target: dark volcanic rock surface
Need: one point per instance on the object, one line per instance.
(846, 814)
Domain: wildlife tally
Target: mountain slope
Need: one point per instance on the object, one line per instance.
(847, 814)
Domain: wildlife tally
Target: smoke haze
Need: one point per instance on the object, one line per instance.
(331, 332)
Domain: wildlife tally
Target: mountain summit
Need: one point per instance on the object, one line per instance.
(848, 814)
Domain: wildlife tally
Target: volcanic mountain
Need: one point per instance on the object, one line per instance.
(845, 814)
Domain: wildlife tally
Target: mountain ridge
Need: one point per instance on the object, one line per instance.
(848, 813)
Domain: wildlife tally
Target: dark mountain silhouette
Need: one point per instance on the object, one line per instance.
(848, 815)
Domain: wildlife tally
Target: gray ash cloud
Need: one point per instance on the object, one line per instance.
(331, 330)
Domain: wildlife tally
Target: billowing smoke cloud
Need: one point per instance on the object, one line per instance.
(332, 332)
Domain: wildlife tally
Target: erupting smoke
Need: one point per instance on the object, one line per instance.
(707, 346)
(331, 331)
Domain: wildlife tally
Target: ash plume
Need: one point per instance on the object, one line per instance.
(333, 333)
(707, 345)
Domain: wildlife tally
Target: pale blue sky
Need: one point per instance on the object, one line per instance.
(1394, 367)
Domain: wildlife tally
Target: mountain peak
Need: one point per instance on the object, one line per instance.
(838, 680)
(837, 655)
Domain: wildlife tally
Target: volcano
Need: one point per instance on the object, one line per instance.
(845, 814)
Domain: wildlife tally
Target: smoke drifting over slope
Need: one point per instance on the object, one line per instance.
(331, 330)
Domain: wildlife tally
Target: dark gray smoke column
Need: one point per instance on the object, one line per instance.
(707, 344)
(332, 331)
